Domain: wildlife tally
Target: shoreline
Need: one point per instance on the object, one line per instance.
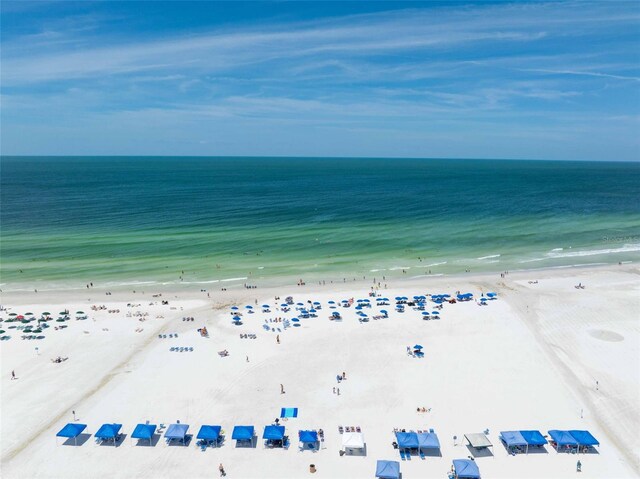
(279, 282)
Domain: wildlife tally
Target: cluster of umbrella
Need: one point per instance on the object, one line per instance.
(29, 317)
(464, 297)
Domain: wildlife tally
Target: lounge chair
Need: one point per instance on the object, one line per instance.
(421, 452)
(408, 454)
(403, 455)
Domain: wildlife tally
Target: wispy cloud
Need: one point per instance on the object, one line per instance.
(521, 69)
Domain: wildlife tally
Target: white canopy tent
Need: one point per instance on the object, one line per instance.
(352, 441)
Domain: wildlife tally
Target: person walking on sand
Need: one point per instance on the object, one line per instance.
(13, 375)
(281, 389)
(222, 471)
(278, 339)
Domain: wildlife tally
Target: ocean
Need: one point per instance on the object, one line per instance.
(218, 222)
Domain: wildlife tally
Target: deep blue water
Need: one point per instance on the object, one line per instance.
(68, 220)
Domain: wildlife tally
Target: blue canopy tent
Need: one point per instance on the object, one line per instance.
(513, 440)
(243, 434)
(72, 430)
(388, 470)
(308, 438)
(144, 431)
(584, 438)
(273, 435)
(109, 431)
(176, 431)
(563, 438)
(466, 469)
(289, 412)
(427, 440)
(534, 438)
(407, 440)
(209, 434)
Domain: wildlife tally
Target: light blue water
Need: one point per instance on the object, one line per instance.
(68, 221)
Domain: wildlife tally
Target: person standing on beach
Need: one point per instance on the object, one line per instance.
(278, 339)
(13, 375)
(222, 471)
(281, 389)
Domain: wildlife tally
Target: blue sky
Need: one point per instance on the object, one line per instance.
(554, 80)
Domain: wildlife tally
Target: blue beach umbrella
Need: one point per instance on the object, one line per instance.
(235, 308)
(295, 320)
(332, 302)
(435, 313)
(248, 306)
(417, 346)
(284, 305)
(265, 305)
(384, 311)
(492, 295)
(425, 313)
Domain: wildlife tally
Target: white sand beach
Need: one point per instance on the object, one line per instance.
(544, 355)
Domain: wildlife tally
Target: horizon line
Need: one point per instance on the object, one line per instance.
(3, 156)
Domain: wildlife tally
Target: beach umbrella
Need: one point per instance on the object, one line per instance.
(265, 305)
(332, 302)
(2, 331)
(417, 346)
(366, 301)
(234, 308)
(316, 302)
(425, 313)
(28, 314)
(248, 306)
(79, 312)
(416, 297)
(46, 313)
(13, 314)
(312, 310)
(284, 305)
(299, 304)
(63, 313)
(398, 298)
(492, 295)
(295, 320)
(237, 318)
(384, 311)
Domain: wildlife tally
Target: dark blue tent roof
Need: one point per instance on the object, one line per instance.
(562, 438)
(513, 438)
(428, 440)
(466, 469)
(210, 433)
(71, 430)
(584, 438)
(273, 432)
(407, 439)
(108, 431)
(143, 431)
(242, 432)
(176, 431)
(308, 436)
(534, 438)
(388, 469)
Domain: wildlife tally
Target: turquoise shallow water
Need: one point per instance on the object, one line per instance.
(68, 221)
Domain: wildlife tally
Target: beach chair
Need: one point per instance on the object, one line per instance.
(403, 455)
(190, 349)
(421, 453)
(171, 335)
(408, 454)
